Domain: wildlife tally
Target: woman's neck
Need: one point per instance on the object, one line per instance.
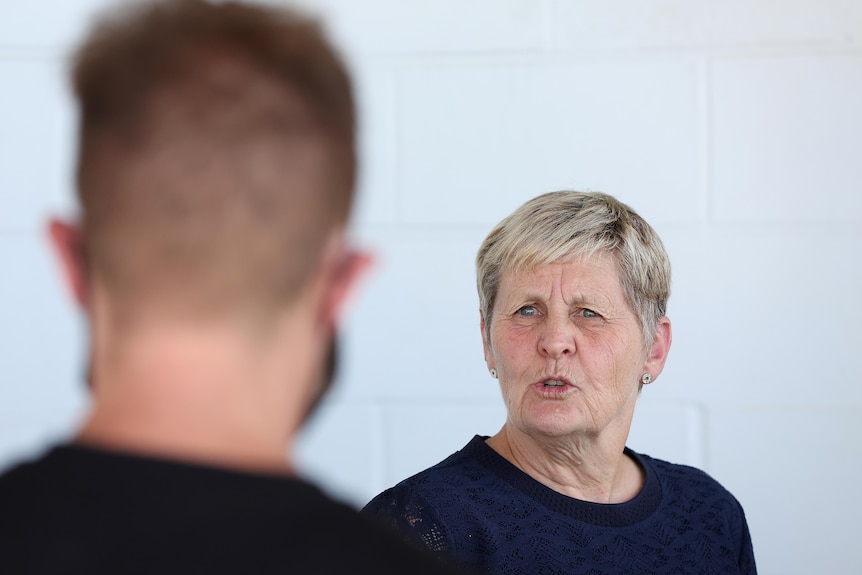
(591, 468)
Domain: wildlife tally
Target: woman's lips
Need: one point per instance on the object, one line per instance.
(554, 383)
(553, 386)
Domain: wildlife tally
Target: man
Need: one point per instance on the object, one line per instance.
(215, 175)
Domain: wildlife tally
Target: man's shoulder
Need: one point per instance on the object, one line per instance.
(202, 519)
(21, 484)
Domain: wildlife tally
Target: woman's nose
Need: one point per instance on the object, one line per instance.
(557, 339)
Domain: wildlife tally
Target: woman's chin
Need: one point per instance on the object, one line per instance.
(555, 420)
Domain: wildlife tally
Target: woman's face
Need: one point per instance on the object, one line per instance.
(568, 349)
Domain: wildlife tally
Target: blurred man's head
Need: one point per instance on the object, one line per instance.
(216, 157)
(215, 175)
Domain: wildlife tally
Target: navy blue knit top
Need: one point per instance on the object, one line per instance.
(488, 515)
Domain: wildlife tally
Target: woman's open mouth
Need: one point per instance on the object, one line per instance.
(553, 386)
(554, 383)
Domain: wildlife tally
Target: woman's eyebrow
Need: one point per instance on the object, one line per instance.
(592, 298)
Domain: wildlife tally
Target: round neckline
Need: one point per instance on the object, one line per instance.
(629, 512)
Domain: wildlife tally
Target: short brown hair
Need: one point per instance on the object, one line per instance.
(216, 152)
(565, 226)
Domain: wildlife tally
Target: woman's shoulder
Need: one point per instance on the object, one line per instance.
(678, 472)
(420, 506)
(438, 481)
(685, 483)
(694, 494)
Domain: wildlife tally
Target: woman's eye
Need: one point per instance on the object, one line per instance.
(527, 311)
(588, 313)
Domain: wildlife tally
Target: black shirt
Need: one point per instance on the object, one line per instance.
(83, 510)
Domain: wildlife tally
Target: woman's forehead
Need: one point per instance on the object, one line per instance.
(577, 263)
(528, 260)
(598, 272)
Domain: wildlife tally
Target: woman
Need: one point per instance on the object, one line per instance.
(573, 289)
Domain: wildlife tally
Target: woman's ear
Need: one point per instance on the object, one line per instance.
(68, 246)
(486, 345)
(659, 349)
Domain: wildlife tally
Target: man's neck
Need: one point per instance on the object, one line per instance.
(202, 393)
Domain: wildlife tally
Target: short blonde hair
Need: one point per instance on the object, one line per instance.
(565, 226)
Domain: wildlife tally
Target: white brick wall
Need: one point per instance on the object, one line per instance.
(733, 125)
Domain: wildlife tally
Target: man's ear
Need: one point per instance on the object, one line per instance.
(67, 243)
(348, 271)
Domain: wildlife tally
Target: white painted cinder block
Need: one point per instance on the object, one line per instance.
(581, 24)
(420, 26)
(770, 314)
(27, 433)
(35, 142)
(415, 332)
(481, 138)
(41, 338)
(377, 194)
(41, 357)
(418, 436)
(788, 136)
(796, 471)
(341, 449)
(633, 24)
(732, 126)
(670, 431)
(49, 24)
(783, 22)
